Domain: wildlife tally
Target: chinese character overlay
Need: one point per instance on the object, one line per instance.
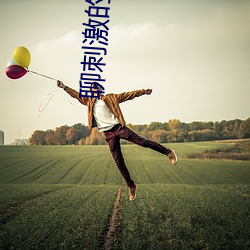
(95, 41)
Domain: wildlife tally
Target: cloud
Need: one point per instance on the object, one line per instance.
(61, 46)
(64, 41)
(123, 32)
(60, 56)
(135, 40)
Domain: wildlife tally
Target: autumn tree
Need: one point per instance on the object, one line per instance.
(159, 135)
(60, 134)
(38, 138)
(175, 133)
(70, 136)
(95, 138)
(50, 137)
(76, 133)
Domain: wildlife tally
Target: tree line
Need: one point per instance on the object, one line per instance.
(172, 131)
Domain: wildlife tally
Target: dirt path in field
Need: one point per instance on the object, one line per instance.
(112, 231)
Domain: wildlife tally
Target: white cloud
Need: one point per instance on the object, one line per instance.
(59, 57)
(67, 39)
(129, 34)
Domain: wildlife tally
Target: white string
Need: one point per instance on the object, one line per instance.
(51, 78)
(71, 103)
(49, 96)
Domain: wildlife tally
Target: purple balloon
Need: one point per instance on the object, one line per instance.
(15, 71)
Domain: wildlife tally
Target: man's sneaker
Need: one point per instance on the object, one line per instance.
(172, 157)
(132, 193)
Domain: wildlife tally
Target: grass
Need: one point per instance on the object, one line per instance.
(187, 217)
(240, 150)
(57, 165)
(61, 197)
(65, 218)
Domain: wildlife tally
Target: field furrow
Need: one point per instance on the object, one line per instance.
(9, 212)
(186, 217)
(64, 197)
(66, 218)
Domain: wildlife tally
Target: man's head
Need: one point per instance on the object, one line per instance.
(96, 86)
(97, 89)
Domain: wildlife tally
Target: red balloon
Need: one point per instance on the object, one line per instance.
(15, 71)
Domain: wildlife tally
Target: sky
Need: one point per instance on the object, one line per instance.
(194, 54)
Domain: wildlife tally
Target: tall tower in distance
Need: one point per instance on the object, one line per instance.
(1, 138)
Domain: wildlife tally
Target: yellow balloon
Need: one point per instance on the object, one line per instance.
(22, 56)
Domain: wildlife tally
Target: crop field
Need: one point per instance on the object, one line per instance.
(73, 197)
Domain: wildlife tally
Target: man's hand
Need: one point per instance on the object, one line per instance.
(60, 84)
(148, 91)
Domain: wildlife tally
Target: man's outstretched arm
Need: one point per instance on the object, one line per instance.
(132, 94)
(73, 93)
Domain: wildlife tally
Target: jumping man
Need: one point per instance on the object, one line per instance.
(105, 114)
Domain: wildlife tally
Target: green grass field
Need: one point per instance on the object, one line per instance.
(62, 197)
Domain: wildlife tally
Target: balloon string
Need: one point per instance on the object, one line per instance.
(31, 71)
(50, 96)
(71, 103)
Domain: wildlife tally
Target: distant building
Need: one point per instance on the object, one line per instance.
(1, 138)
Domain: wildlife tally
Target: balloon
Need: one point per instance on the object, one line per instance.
(15, 71)
(11, 62)
(22, 56)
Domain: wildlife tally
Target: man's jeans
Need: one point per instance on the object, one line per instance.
(113, 137)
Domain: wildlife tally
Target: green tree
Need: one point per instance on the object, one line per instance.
(236, 129)
(244, 130)
(202, 135)
(196, 126)
(157, 126)
(217, 129)
(80, 131)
